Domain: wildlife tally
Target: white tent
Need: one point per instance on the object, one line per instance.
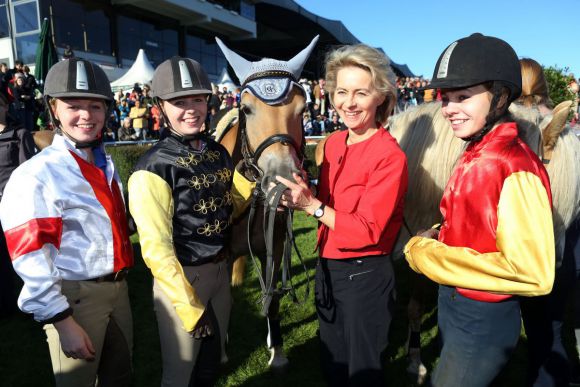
(141, 72)
(225, 80)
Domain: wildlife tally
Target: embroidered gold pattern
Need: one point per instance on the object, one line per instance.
(211, 156)
(190, 159)
(216, 228)
(195, 159)
(212, 204)
(197, 182)
(224, 175)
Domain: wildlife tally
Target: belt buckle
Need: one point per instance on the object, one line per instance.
(120, 275)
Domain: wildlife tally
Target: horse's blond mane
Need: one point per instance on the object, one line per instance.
(222, 124)
(564, 171)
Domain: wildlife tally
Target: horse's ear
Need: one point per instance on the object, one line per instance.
(552, 131)
(242, 67)
(296, 64)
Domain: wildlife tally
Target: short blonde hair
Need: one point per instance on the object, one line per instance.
(371, 60)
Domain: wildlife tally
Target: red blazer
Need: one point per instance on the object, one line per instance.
(366, 184)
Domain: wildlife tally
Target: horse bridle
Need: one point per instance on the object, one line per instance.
(271, 202)
(251, 157)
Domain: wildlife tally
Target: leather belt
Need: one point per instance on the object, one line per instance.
(113, 277)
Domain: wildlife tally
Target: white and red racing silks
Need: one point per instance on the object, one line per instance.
(63, 218)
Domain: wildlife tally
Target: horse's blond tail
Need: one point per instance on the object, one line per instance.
(238, 270)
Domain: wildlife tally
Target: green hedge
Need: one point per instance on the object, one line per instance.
(126, 156)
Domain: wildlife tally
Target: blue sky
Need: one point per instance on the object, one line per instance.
(416, 32)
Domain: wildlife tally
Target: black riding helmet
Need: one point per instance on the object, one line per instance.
(179, 77)
(77, 78)
(479, 59)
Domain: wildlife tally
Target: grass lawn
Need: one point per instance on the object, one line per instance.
(24, 359)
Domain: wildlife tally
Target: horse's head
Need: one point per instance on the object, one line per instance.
(275, 138)
(271, 107)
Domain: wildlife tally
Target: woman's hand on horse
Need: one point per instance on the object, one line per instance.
(298, 195)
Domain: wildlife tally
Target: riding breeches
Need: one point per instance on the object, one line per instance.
(102, 309)
(185, 357)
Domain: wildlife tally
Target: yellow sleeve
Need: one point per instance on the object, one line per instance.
(525, 263)
(151, 205)
(241, 193)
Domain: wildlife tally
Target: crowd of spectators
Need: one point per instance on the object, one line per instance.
(135, 116)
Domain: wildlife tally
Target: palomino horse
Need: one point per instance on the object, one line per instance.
(266, 134)
(432, 151)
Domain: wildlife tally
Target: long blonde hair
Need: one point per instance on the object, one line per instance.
(368, 59)
(534, 84)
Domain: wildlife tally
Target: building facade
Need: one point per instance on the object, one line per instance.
(111, 32)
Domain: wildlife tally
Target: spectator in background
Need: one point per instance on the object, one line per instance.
(214, 99)
(146, 99)
(126, 131)
(119, 96)
(111, 128)
(321, 97)
(157, 121)
(124, 109)
(68, 52)
(307, 123)
(23, 101)
(18, 68)
(308, 91)
(335, 124)
(419, 93)
(140, 116)
(29, 79)
(3, 73)
(429, 94)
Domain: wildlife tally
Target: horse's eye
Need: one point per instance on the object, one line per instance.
(246, 110)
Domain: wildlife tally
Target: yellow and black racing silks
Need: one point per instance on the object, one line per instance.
(182, 201)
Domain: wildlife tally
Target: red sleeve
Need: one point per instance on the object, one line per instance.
(385, 189)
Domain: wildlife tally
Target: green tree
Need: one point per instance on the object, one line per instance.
(558, 80)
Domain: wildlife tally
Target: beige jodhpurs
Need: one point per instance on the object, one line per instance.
(102, 309)
(179, 350)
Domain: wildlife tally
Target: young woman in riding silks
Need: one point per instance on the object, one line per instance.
(496, 240)
(181, 198)
(64, 220)
(362, 186)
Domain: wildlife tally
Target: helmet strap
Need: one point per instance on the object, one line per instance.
(496, 111)
(183, 138)
(78, 144)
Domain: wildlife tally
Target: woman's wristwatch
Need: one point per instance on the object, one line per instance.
(319, 211)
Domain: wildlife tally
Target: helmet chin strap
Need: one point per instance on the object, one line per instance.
(494, 115)
(183, 138)
(78, 144)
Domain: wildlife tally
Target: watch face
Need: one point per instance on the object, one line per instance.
(318, 213)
